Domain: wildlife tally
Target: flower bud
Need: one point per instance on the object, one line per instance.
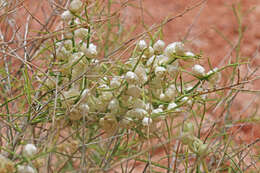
(198, 70)
(113, 105)
(171, 106)
(81, 33)
(66, 16)
(158, 46)
(147, 121)
(189, 54)
(174, 48)
(29, 150)
(91, 51)
(25, 169)
(131, 77)
(75, 6)
(141, 45)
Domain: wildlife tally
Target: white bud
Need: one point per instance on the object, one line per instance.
(29, 150)
(25, 169)
(171, 106)
(133, 91)
(174, 48)
(91, 51)
(75, 6)
(189, 54)
(159, 46)
(160, 71)
(157, 111)
(131, 77)
(66, 16)
(147, 121)
(141, 45)
(198, 70)
(81, 33)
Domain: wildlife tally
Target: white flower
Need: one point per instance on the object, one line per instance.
(174, 48)
(25, 169)
(91, 51)
(141, 45)
(81, 33)
(75, 6)
(158, 46)
(131, 77)
(29, 150)
(189, 54)
(66, 16)
(198, 70)
(147, 121)
(160, 71)
(134, 91)
(171, 106)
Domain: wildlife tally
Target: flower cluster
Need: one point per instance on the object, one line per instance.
(135, 94)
